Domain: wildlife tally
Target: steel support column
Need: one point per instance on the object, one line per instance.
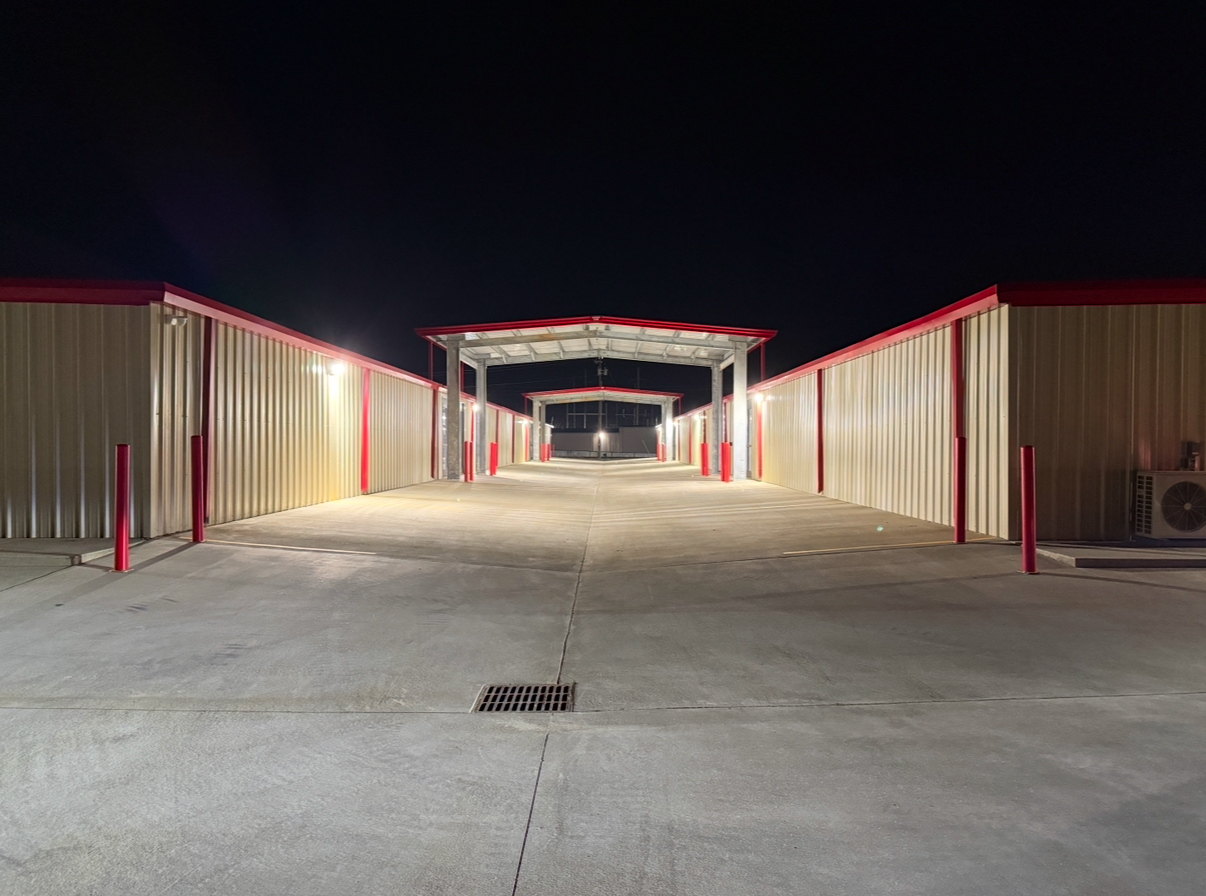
(481, 446)
(534, 436)
(668, 428)
(453, 447)
(715, 421)
(740, 436)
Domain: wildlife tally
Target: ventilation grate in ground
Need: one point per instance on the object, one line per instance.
(526, 698)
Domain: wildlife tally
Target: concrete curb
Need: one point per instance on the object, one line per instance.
(69, 559)
(1120, 560)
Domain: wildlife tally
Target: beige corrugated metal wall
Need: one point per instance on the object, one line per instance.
(887, 422)
(505, 436)
(175, 386)
(286, 430)
(986, 421)
(693, 441)
(399, 432)
(74, 382)
(682, 438)
(1103, 391)
(789, 439)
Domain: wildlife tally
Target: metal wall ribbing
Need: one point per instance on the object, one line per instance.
(887, 428)
(286, 428)
(74, 381)
(504, 424)
(789, 417)
(399, 432)
(176, 345)
(1103, 391)
(990, 451)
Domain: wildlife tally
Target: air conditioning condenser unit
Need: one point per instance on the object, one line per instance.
(1170, 504)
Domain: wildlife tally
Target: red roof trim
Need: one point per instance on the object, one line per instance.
(190, 301)
(81, 292)
(973, 304)
(428, 332)
(102, 292)
(593, 389)
(1105, 292)
(1092, 292)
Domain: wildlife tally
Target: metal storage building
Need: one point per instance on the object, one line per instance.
(288, 420)
(1103, 379)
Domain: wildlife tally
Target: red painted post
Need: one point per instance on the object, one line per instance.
(1029, 558)
(703, 459)
(364, 434)
(758, 433)
(121, 510)
(726, 461)
(494, 458)
(435, 431)
(821, 431)
(960, 509)
(468, 462)
(207, 403)
(198, 472)
(959, 468)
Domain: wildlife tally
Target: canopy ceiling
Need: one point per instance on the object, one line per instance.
(563, 339)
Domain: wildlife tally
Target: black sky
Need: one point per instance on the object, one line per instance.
(829, 170)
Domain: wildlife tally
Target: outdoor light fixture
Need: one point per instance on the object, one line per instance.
(177, 318)
(335, 368)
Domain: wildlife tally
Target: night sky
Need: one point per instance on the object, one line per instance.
(829, 170)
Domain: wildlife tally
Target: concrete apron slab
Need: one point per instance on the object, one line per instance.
(225, 628)
(133, 802)
(232, 718)
(1082, 796)
(1090, 556)
(73, 551)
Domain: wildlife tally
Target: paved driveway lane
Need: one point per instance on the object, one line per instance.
(265, 803)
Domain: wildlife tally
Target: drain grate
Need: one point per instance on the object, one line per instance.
(526, 698)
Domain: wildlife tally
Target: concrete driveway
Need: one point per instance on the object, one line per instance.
(776, 693)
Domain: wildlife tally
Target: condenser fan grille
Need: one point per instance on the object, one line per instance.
(1184, 506)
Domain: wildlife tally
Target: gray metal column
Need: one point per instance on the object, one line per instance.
(453, 447)
(715, 424)
(534, 435)
(481, 444)
(740, 436)
(668, 428)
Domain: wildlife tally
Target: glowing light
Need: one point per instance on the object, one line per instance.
(335, 368)
(759, 397)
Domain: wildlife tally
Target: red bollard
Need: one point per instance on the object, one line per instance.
(1029, 556)
(494, 458)
(198, 472)
(468, 461)
(960, 509)
(121, 511)
(726, 462)
(703, 459)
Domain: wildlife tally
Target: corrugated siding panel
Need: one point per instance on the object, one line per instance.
(74, 382)
(987, 421)
(789, 440)
(505, 436)
(286, 434)
(399, 432)
(887, 428)
(176, 353)
(1103, 391)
